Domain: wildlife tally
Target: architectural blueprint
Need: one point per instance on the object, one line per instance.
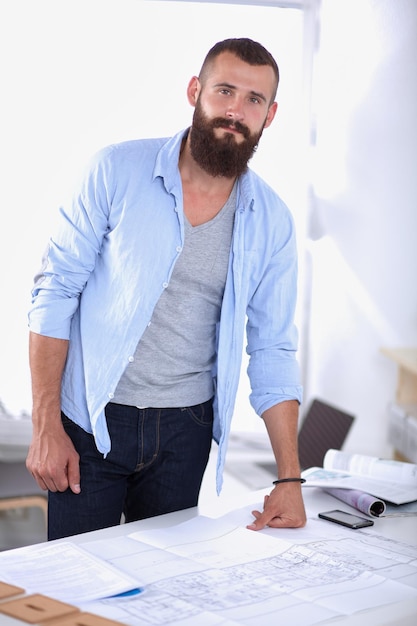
(216, 572)
(211, 572)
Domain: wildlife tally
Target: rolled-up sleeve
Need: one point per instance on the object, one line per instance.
(272, 335)
(71, 255)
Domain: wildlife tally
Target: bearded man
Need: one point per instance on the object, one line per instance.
(167, 250)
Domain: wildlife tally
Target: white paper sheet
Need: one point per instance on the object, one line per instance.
(63, 571)
(307, 575)
(215, 572)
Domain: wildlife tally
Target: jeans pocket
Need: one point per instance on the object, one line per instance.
(201, 414)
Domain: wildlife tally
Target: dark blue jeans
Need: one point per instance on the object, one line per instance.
(155, 466)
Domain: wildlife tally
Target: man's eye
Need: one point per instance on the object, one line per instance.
(226, 92)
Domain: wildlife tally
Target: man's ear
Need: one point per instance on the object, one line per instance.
(271, 114)
(193, 90)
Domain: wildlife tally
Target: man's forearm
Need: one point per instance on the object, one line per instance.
(281, 422)
(47, 357)
(52, 459)
(283, 507)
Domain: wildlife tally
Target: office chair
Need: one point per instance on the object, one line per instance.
(323, 427)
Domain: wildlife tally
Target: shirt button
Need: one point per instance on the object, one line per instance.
(178, 248)
(131, 359)
(111, 395)
(164, 285)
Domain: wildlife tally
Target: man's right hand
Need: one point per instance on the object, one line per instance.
(53, 461)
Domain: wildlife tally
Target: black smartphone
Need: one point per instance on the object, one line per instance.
(346, 519)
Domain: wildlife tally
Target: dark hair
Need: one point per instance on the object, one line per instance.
(247, 50)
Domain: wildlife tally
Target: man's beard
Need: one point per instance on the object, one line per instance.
(221, 156)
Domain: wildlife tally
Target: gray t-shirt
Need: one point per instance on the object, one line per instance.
(173, 361)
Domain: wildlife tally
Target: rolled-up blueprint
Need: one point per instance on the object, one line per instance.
(364, 502)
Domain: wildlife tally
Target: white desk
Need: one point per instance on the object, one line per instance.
(402, 529)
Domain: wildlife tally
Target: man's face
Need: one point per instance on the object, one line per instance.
(221, 155)
(232, 108)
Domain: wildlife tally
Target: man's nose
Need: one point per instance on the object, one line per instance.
(235, 110)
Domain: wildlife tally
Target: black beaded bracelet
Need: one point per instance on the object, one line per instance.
(289, 480)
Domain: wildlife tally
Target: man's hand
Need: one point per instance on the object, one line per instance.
(53, 461)
(283, 508)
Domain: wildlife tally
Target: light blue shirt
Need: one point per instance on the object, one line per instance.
(112, 257)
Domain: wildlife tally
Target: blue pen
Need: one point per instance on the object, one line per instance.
(126, 594)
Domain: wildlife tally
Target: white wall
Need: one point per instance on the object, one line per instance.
(80, 74)
(364, 213)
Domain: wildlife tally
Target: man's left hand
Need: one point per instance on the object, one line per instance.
(283, 508)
